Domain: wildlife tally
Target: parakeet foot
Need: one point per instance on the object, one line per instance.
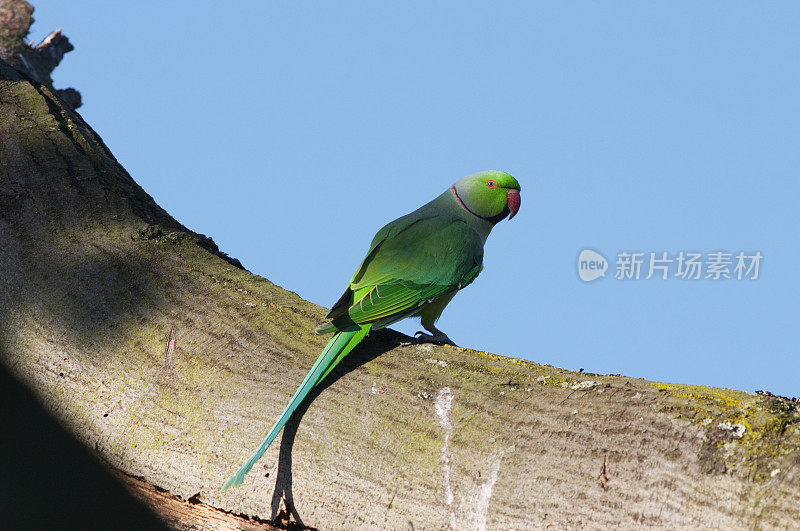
(439, 338)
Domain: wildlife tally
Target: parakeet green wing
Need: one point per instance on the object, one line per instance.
(409, 265)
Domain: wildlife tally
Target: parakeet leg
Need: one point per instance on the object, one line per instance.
(438, 337)
(430, 314)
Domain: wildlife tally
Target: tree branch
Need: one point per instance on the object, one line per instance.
(37, 62)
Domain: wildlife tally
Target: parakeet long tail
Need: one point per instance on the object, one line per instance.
(337, 348)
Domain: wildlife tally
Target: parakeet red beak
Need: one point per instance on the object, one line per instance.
(513, 202)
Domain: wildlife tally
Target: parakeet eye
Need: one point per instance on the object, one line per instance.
(491, 184)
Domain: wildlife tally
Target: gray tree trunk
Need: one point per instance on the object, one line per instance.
(95, 275)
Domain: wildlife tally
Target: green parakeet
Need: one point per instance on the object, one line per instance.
(414, 267)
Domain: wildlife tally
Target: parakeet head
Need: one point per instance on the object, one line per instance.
(491, 195)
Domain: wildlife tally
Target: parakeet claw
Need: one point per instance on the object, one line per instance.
(439, 338)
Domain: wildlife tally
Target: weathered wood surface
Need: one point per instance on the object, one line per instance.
(188, 514)
(94, 276)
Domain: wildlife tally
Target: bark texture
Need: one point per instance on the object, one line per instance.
(37, 61)
(95, 276)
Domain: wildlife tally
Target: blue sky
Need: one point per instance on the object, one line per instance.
(291, 132)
